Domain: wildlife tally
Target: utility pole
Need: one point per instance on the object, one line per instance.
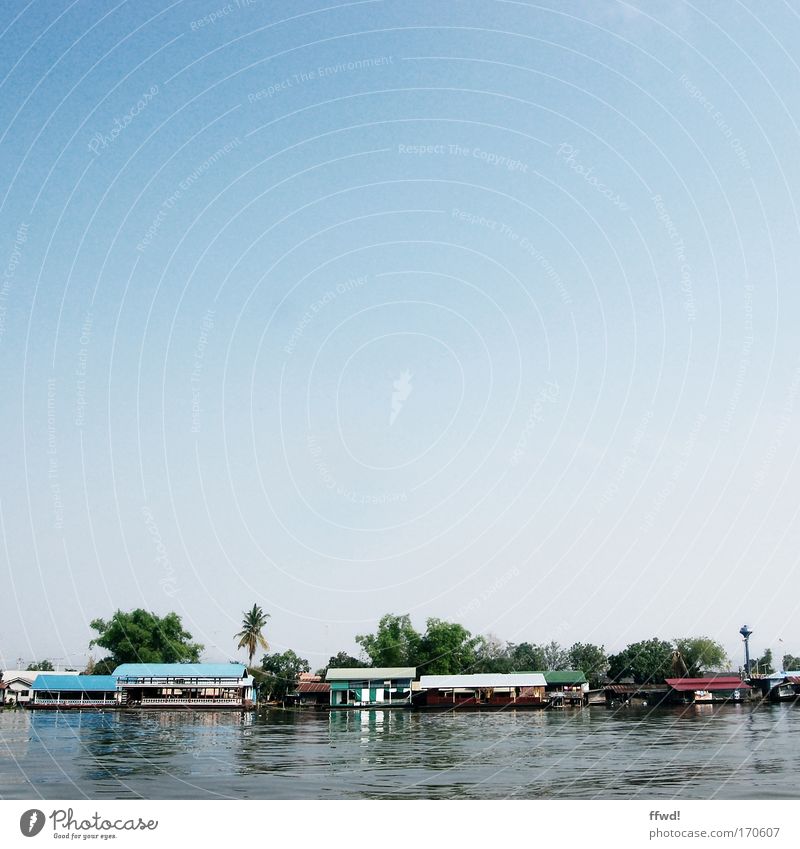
(746, 632)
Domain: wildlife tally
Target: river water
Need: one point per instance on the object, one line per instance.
(728, 751)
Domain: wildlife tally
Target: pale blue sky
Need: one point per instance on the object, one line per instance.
(228, 230)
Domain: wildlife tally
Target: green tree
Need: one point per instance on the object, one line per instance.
(492, 655)
(105, 666)
(763, 665)
(446, 648)
(341, 660)
(281, 673)
(648, 661)
(790, 663)
(589, 659)
(41, 666)
(526, 657)
(702, 654)
(395, 643)
(555, 657)
(251, 636)
(143, 637)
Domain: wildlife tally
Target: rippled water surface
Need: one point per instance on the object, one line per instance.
(700, 752)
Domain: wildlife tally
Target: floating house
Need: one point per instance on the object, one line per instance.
(714, 688)
(639, 695)
(363, 687)
(488, 692)
(310, 692)
(777, 687)
(185, 685)
(566, 687)
(18, 688)
(59, 692)
(314, 694)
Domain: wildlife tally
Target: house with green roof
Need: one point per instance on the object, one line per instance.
(566, 686)
(371, 687)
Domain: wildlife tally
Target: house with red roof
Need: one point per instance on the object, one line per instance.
(709, 689)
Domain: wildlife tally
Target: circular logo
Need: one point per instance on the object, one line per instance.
(31, 822)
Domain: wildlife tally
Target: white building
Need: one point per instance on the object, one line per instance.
(18, 684)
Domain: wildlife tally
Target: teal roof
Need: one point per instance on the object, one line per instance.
(74, 683)
(565, 676)
(180, 670)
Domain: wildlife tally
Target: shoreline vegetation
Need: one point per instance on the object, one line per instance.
(638, 673)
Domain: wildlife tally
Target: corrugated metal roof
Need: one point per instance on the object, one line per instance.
(565, 676)
(74, 683)
(488, 680)
(180, 670)
(368, 673)
(719, 682)
(636, 688)
(30, 674)
(313, 687)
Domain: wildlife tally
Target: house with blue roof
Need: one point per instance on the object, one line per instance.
(58, 692)
(185, 685)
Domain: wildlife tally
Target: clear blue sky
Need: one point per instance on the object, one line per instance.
(477, 310)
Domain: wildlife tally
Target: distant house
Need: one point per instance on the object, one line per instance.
(364, 687)
(57, 692)
(635, 694)
(566, 686)
(491, 691)
(311, 694)
(19, 684)
(713, 688)
(778, 686)
(185, 685)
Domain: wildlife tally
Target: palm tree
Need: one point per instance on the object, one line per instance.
(250, 637)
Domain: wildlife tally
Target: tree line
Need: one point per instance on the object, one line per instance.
(443, 648)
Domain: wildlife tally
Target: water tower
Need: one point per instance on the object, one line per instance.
(746, 632)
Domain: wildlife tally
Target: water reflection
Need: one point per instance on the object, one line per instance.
(698, 751)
